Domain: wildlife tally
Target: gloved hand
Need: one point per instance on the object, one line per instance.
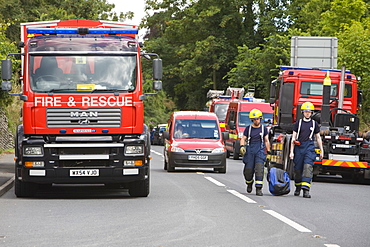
(243, 150)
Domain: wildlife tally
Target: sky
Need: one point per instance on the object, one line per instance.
(136, 6)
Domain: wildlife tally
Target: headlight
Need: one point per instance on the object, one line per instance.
(33, 151)
(218, 150)
(177, 149)
(134, 150)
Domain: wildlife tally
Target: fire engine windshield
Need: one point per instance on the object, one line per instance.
(315, 88)
(83, 73)
(244, 120)
(221, 110)
(196, 129)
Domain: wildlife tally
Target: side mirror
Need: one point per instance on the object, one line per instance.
(6, 74)
(157, 85)
(273, 92)
(225, 136)
(232, 125)
(6, 69)
(157, 69)
(166, 135)
(6, 86)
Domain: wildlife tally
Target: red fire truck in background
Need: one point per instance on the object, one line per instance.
(337, 99)
(219, 102)
(83, 111)
(237, 118)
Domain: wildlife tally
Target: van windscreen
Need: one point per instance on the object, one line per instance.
(196, 129)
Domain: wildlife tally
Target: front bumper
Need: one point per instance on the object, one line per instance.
(177, 159)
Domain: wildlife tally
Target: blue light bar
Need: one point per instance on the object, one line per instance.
(305, 68)
(225, 97)
(76, 31)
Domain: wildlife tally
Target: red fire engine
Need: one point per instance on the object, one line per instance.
(336, 98)
(220, 103)
(83, 111)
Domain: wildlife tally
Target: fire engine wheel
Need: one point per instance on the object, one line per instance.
(139, 188)
(236, 151)
(287, 162)
(24, 189)
(227, 154)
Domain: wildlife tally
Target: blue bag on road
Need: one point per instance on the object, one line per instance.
(279, 181)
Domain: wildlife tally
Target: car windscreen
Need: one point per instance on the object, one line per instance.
(196, 128)
(244, 120)
(66, 73)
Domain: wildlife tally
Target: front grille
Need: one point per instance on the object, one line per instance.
(84, 163)
(83, 118)
(197, 151)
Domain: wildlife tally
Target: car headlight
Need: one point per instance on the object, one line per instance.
(33, 151)
(177, 149)
(218, 150)
(134, 149)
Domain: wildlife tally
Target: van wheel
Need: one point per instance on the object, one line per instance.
(170, 166)
(165, 164)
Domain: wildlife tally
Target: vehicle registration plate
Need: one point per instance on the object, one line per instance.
(84, 173)
(197, 157)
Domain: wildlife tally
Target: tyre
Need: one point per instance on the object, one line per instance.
(236, 150)
(24, 189)
(139, 188)
(170, 166)
(227, 154)
(165, 164)
(221, 170)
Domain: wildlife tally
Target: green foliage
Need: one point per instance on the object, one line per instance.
(256, 67)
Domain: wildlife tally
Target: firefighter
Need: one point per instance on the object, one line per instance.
(254, 144)
(302, 149)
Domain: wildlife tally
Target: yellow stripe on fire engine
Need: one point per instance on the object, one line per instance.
(342, 163)
(232, 136)
(222, 125)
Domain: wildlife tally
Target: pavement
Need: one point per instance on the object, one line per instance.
(6, 172)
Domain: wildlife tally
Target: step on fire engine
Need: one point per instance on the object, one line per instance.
(83, 111)
(337, 99)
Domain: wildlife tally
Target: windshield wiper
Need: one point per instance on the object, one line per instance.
(114, 90)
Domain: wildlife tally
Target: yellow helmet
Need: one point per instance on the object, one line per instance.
(307, 106)
(255, 113)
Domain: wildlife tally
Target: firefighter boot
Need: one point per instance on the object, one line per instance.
(306, 193)
(297, 190)
(249, 187)
(259, 191)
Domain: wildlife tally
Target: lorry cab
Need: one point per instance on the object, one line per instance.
(194, 139)
(237, 118)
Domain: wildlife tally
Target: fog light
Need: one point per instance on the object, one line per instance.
(129, 162)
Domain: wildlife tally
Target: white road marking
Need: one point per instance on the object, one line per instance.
(287, 221)
(332, 245)
(156, 152)
(243, 197)
(214, 181)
